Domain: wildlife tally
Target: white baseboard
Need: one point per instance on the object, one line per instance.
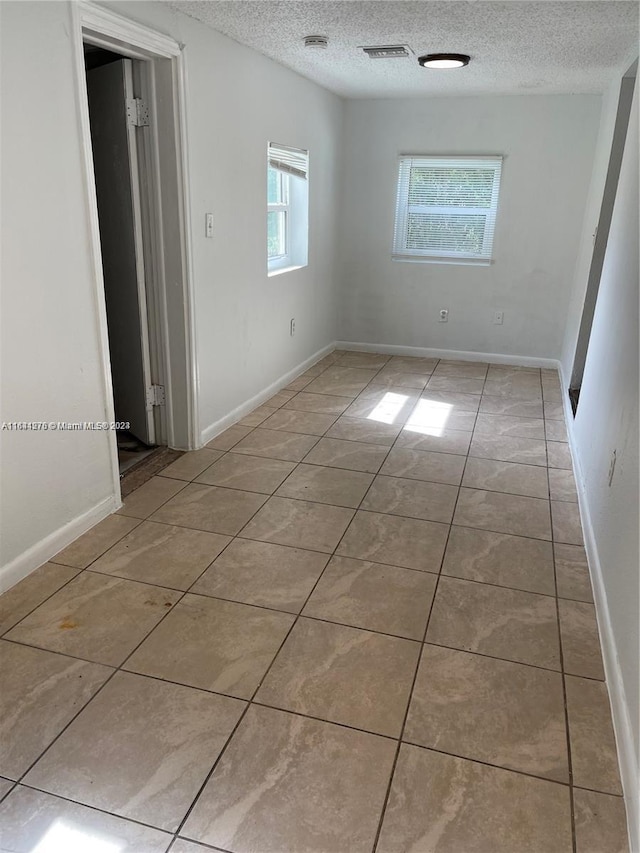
(249, 405)
(617, 694)
(457, 355)
(243, 409)
(52, 544)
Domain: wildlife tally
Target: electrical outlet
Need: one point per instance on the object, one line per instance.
(444, 315)
(498, 318)
(208, 225)
(292, 327)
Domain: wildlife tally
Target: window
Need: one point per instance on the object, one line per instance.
(446, 208)
(277, 214)
(287, 208)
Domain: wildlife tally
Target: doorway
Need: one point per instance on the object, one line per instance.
(119, 121)
(601, 235)
(153, 314)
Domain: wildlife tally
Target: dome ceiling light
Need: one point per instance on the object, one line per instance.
(444, 60)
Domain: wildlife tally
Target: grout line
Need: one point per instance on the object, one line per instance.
(202, 844)
(415, 675)
(596, 791)
(266, 495)
(402, 426)
(91, 529)
(93, 569)
(487, 764)
(317, 719)
(93, 808)
(44, 600)
(301, 615)
(565, 708)
(10, 789)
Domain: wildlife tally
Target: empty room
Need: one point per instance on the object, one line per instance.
(319, 446)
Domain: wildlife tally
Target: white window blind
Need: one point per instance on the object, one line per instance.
(291, 161)
(446, 208)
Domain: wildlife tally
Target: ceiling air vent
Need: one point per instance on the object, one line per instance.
(316, 41)
(387, 51)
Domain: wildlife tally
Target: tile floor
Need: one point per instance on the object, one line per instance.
(360, 619)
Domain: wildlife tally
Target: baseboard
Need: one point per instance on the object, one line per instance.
(36, 555)
(243, 409)
(457, 355)
(52, 544)
(617, 695)
(249, 405)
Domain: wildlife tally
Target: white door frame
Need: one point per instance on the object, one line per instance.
(114, 32)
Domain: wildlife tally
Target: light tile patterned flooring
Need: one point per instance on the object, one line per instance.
(360, 619)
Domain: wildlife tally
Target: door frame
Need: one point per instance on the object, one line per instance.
(168, 169)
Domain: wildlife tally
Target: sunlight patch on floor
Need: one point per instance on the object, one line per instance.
(388, 408)
(62, 838)
(429, 417)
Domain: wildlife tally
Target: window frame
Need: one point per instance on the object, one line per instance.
(281, 207)
(292, 164)
(400, 249)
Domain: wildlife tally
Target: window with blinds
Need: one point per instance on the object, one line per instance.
(291, 161)
(446, 208)
(287, 207)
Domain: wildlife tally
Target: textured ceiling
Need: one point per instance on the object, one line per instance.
(518, 46)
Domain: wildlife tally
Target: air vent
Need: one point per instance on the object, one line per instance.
(316, 41)
(387, 51)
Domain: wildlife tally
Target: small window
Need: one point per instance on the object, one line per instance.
(277, 214)
(287, 207)
(446, 208)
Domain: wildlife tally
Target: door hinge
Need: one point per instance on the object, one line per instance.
(137, 112)
(156, 395)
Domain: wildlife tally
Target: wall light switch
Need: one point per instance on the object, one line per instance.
(208, 226)
(498, 318)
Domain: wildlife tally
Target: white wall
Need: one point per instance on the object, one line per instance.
(607, 420)
(50, 355)
(548, 145)
(237, 101)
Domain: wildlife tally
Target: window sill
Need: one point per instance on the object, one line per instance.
(464, 262)
(281, 270)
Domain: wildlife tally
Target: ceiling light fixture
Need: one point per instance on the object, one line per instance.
(444, 60)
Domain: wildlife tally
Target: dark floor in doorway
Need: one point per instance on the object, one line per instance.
(147, 468)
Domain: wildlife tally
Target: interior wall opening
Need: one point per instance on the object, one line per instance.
(601, 234)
